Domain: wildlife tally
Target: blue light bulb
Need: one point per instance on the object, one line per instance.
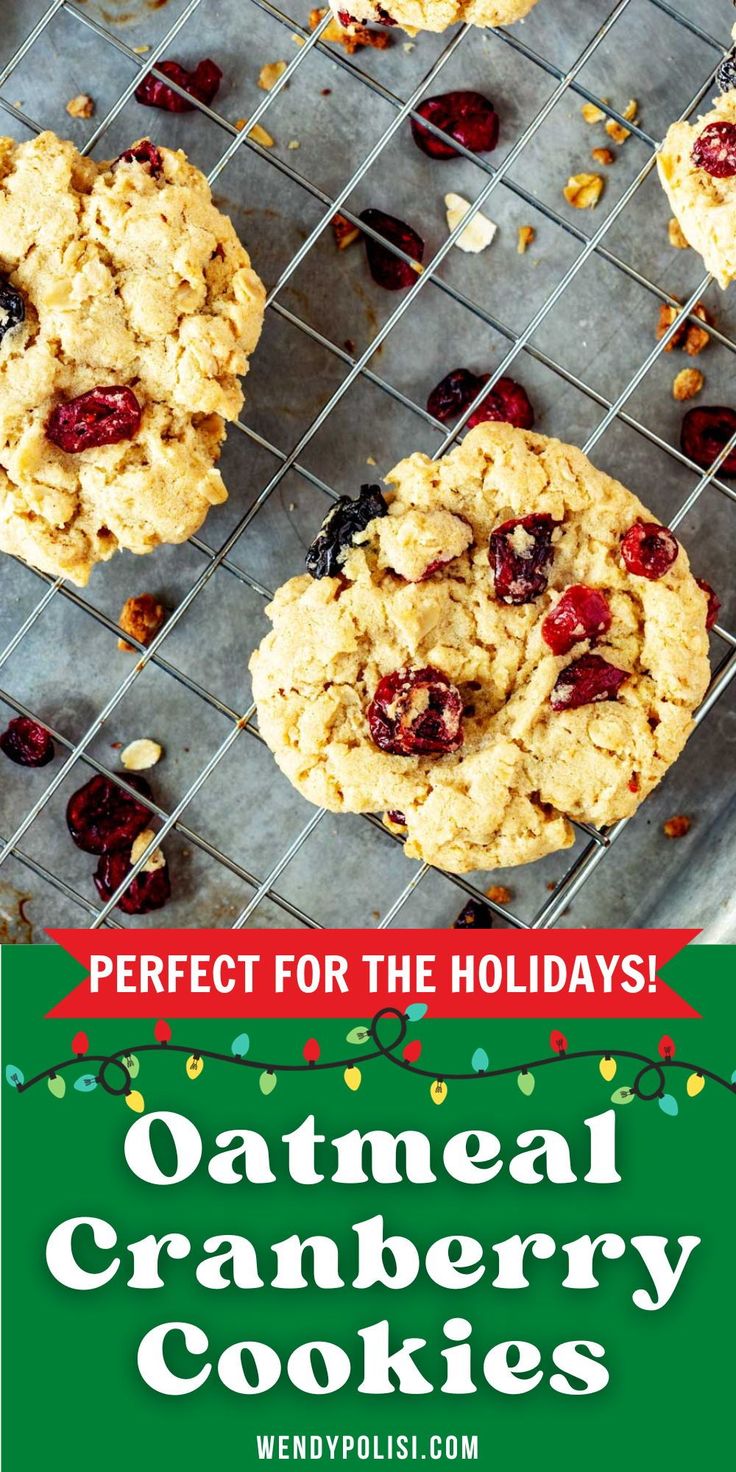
(668, 1104)
(479, 1060)
(415, 1011)
(240, 1045)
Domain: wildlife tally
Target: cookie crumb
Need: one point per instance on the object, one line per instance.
(141, 50)
(81, 106)
(687, 384)
(408, 46)
(591, 113)
(350, 37)
(369, 460)
(269, 74)
(298, 40)
(257, 133)
(155, 860)
(344, 231)
(551, 885)
(478, 234)
(615, 130)
(583, 190)
(140, 755)
(293, 143)
(527, 234)
(141, 617)
(676, 237)
(603, 156)
(499, 894)
(689, 336)
(677, 827)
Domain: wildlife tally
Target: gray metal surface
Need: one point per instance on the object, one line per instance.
(339, 382)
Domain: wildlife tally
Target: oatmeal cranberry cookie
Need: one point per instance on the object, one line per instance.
(507, 642)
(128, 309)
(697, 167)
(431, 15)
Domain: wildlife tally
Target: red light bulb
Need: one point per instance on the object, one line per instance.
(162, 1032)
(311, 1050)
(80, 1044)
(666, 1048)
(412, 1051)
(558, 1042)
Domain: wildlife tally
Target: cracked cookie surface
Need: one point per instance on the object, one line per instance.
(704, 205)
(433, 15)
(524, 768)
(130, 276)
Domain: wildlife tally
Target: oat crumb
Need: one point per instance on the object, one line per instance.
(527, 234)
(257, 133)
(141, 617)
(591, 113)
(603, 156)
(369, 460)
(344, 231)
(583, 190)
(269, 74)
(677, 827)
(615, 130)
(687, 384)
(677, 239)
(499, 894)
(141, 50)
(293, 143)
(139, 755)
(81, 106)
(408, 46)
(155, 860)
(688, 335)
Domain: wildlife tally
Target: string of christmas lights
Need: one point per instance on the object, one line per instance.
(118, 1071)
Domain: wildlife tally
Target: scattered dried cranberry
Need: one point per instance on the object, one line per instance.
(649, 549)
(507, 403)
(586, 681)
(715, 150)
(203, 83)
(101, 817)
(468, 117)
(148, 891)
(520, 552)
(340, 526)
(714, 603)
(386, 268)
(103, 416)
(12, 307)
(474, 916)
(705, 432)
(27, 743)
(582, 613)
(454, 392)
(416, 713)
(144, 152)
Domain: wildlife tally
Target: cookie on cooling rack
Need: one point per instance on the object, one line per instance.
(128, 309)
(507, 642)
(431, 15)
(697, 167)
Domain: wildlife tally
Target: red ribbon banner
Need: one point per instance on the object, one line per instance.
(352, 973)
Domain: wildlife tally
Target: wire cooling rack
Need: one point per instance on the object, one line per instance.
(262, 895)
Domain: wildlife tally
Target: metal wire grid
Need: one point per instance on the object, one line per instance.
(598, 842)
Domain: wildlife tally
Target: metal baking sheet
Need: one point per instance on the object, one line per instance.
(245, 845)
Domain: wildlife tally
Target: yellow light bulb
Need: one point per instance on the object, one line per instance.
(607, 1068)
(134, 1101)
(353, 1078)
(195, 1064)
(438, 1091)
(695, 1084)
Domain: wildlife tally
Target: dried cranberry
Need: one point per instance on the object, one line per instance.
(649, 549)
(520, 552)
(339, 528)
(582, 613)
(586, 681)
(474, 916)
(705, 432)
(507, 403)
(103, 416)
(454, 392)
(715, 150)
(394, 816)
(346, 19)
(714, 603)
(203, 83)
(101, 817)
(148, 891)
(12, 307)
(144, 152)
(27, 743)
(416, 713)
(384, 18)
(468, 117)
(386, 268)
